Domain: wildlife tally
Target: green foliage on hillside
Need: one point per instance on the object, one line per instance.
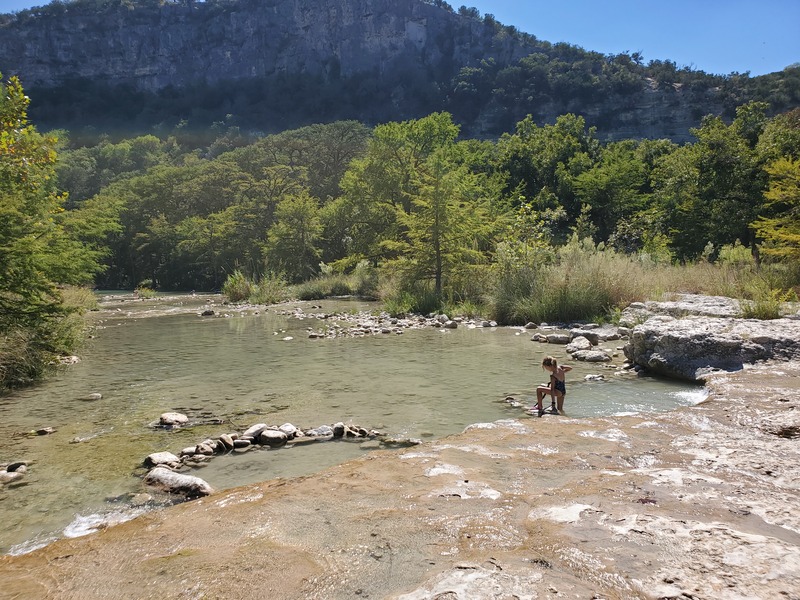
(443, 220)
(546, 223)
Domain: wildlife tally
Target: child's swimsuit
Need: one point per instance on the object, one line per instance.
(560, 386)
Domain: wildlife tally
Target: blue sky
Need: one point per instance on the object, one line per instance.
(717, 36)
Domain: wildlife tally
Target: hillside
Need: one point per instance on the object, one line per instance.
(273, 64)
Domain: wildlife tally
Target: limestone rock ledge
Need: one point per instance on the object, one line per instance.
(693, 347)
(692, 336)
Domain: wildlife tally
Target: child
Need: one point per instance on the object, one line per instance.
(556, 388)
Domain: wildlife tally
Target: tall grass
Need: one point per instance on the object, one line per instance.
(237, 287)
(362, 282)
(270, 289)
(585, 281)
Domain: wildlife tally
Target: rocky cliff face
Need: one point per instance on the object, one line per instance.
(371, 60)
(179, 45)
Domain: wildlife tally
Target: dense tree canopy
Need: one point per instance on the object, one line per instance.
(413, 198)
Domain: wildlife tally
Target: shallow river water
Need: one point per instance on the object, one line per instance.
(228, 372)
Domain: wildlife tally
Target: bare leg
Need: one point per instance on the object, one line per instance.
(541, 392)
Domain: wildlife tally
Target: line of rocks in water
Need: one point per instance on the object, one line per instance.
(581, 340)
(164, 466)
(344, 324)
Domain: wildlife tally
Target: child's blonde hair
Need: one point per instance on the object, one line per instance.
(549, 361)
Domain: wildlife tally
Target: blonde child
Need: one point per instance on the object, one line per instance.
(556, 388)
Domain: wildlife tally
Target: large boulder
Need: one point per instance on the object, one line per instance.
(273, 438)
(693, 347)
(178, 483)
(577, 344)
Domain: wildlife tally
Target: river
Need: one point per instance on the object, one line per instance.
(237, 368)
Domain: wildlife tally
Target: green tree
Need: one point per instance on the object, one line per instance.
(614, 188)
(780, 231)
(37, 249)
(381, 184)
(543, 162)
(447, 226)
(780, 137)
(711, 191)
(292, 242)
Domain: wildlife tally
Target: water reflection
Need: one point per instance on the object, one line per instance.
(241, 370)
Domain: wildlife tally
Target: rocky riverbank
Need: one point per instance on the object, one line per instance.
(694, 336)
(702, 502)
(698, 503)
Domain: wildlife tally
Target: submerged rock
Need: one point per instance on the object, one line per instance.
(178, 483)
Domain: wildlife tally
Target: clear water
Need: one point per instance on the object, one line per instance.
(240, 369)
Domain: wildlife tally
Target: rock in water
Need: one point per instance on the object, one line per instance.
(178, 483)
(254, 430)
(173, 419)
(272, 438)
(578, 343)
(558, 338)
(160, 458)
(6, 477)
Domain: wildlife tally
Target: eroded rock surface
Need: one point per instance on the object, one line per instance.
(702, 502)
(682, 305)
(692, 347)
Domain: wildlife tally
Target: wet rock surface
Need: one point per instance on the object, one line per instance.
(702, 502)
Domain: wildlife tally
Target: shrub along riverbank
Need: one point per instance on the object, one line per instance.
(578, 281)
